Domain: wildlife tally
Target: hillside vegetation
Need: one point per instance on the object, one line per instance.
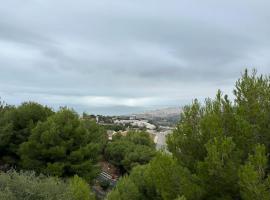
(52, 149)
(219, 150)
(28, 186)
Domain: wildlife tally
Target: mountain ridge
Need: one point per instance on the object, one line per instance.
(160, 113)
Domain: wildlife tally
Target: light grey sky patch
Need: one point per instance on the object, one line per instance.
(124, 56)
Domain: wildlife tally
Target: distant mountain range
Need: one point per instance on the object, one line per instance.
(160, 113)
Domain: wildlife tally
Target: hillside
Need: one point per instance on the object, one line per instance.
(162, 117)
(160, 113)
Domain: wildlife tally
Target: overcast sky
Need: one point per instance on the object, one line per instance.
(126, 56)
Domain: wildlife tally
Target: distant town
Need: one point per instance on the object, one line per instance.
(158, 123)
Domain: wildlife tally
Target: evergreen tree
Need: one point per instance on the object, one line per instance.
(254, 181)
(212, 149)
(62, 146)
(15, 127)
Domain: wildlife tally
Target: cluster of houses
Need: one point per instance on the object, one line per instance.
(158, 135)
(133, 123)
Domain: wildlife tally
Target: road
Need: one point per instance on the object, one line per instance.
(160, 139)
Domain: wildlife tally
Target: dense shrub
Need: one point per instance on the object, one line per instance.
(15, 127)
(128, 151)
(64, 145)
(28, 186)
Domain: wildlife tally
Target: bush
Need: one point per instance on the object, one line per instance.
(129, 151)
(27, 186)
(15, 127)
(63, 146)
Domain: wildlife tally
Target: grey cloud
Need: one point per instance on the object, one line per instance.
(128, 50)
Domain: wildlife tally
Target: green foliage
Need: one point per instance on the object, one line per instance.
(171, 179)
(213, 140)
(63, 145)
(187, 143)
(3, 107)
(28, 186)
(15, 127)
(114, 127)
(254, 181)
(252, 94)
(212, 149)
(140, 138)
(162, 178)
(129, 151)
(142, 178)
(181, 198)
(79, 189)
(124, 190)
(219, 151)
(219, 168)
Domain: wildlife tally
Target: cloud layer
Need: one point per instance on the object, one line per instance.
(122, 56)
